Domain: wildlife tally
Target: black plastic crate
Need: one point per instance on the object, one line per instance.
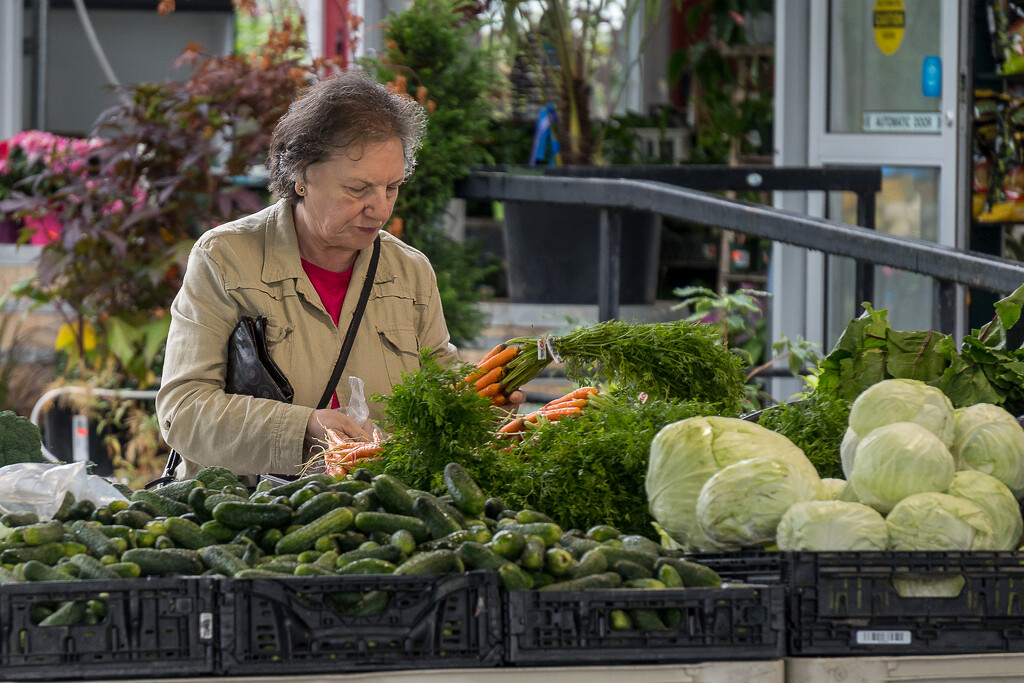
(575, 627)
(150, 627)
(310, 624)
(747, 566)
(845, 604)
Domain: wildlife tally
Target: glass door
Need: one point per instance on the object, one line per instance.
(884, 92)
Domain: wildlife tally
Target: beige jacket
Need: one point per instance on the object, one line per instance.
(252, 267)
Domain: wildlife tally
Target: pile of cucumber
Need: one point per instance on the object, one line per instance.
(365, 524)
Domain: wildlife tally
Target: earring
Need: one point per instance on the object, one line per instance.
(301, 189)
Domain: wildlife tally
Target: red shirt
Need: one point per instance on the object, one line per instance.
(332, 288)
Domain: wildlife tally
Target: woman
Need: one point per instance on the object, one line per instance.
(337, 160)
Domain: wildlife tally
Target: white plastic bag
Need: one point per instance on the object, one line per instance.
(39, 487)
(357, 408)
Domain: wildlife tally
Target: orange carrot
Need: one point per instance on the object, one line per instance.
(581, 393)
(559, 413)
(571, 403)
(490, 378)
(513, 426)
(498, 359)
(532, 417)
(492, 353)
(499, 400)
(490, 390)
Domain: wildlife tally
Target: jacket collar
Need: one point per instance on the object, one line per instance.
(281, 260)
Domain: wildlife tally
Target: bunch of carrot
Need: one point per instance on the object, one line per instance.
(343, 455)
(490, 376)
(566, 406)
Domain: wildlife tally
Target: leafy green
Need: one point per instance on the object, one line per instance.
(432, 424)
(591, 470)
(815, 425)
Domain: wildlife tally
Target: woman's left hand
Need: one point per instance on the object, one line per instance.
(515, 399)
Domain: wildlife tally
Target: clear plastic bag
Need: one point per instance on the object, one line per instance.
(40, 487)
(357, 408)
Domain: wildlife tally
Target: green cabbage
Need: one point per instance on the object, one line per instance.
(832, 488)
(848, 450)
(988, 439)
(898, 460)
(992, 496)
(831, 525)
(847, 494)
(685, 454)
(928, 585)
(938, 521)
(903, 400)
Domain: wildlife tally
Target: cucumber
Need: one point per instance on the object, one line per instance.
(541, 579)
(304, 537)
(388, 553)
(493, 507)
(135, 519)
(350, 486)
(224, 561)
(669, 576)
(217, 477)
(641, 543)
(304, 495)
(91, 568)
(532, 556)
(594, 581)
(404, 541)
(164, 543)
(558, 561)
(620, 620)
(126, 570)
(82, 509)
(602, 532)
(188, 534)
(63, 512)
(269, 539)
(631, 570)
(692, 574)
(214, 499)
(363, 474)
(349, 540)
(280, 566)
(143, 506)
(7, 576)
(508, 543)
(197, 501)
(116, 531)
(68, 614)
(252, 554)
(640, 557)
(16, 519)
(49, 553)
(37, 571)
(306, 569)
(439, 522)
(452, 540)
(672, 618)
(222, 533)
(43, 532)
(178, 491)
(293, 486)
(368, 565)
(364, 501)
(434, 562)
(591, 563)
(93, 539)
(153, 562)
(647, 620)
(329, 559)
(325, 543)
(578, 546)
(372, 602)
(643, 583)
(165, 506)
(549, 532)
(392, 495)
(239, 514)
(463, 489)
(514, 578)
(315, 507)
(390, 523)
(104, 515)
(260, 573)
(249, 534)
(308, 556)
(533, 517)
(479, 556)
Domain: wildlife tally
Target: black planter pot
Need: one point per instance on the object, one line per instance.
(551, 253)
(59, 437)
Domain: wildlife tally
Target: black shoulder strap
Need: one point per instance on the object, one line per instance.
(350, 336)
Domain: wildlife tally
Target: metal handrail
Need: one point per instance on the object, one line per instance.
(946, 264)
(48, 397)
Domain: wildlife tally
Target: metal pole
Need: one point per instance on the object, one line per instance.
(609, 264)
(39, 72)
(944, 312)
(864, 287)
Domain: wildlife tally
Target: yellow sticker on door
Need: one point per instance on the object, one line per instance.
(888, 20)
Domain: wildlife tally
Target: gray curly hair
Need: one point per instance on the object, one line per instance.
(338, 112)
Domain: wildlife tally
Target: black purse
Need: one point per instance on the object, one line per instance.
(252, 372)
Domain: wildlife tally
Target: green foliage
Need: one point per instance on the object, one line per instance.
(19, 439)
(591, 469)
(431, 56)
(431, 424)
(816, 425)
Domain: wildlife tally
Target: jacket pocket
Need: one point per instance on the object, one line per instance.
(400, 349)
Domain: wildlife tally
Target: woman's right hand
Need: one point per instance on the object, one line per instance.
(322, 420)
